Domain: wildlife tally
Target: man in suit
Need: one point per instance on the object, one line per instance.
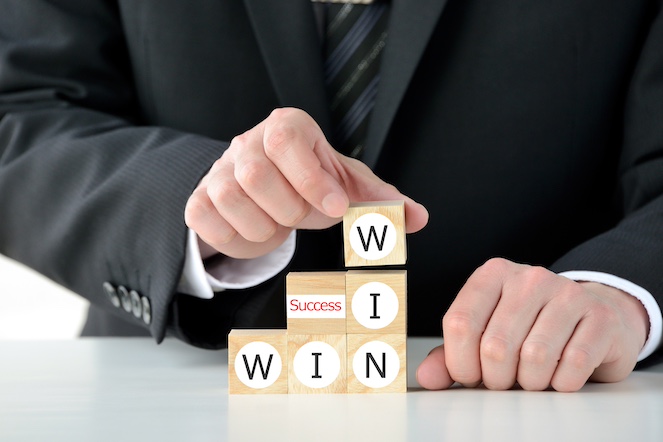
(530, 131)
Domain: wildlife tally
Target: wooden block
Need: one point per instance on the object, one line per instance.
(377, 301)
(374, 234)
(315, 303)
(377, 363)
(256, 362)
(317, 364)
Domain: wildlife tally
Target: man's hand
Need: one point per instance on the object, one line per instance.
(281, 175)
(516, 323)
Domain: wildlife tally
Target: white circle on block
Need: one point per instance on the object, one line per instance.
(376, 364)
(258, 365)
(316, 364)
(373, 236)
(375, 305)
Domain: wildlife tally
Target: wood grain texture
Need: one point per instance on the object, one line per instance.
(237, 339)
(395, 212)
(394, 279)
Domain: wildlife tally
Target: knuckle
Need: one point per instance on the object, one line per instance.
(535, 353)
(579, 357)
(281, 113)
(495, 266)
(537, 276)
(459, 324)
(262, 234)
(197, 207)
(239, 140)
(606, 315)
(533, 384)
(224, 192)
(279, 139)
(223, 235)
(571, 293)
(495, 349)
(254, 174)
(464, 376)
(498, 385)
(295, 216)
(566, 384)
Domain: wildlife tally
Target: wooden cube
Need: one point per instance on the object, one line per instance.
(315, 303)
(377, 363)
(317, 364)
(374, 234)
(256, 362)
(377, 301)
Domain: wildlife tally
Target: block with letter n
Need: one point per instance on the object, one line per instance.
(377, 363)
(374, 234)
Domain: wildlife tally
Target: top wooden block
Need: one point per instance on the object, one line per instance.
(374, 234)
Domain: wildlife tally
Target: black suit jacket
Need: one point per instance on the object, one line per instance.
(531, 130)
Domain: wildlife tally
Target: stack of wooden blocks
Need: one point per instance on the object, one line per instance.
(346, 331)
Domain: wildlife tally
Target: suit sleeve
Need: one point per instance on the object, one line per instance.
(633, 249)
(88, 193)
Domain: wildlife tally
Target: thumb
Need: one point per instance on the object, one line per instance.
(432, 373)
(363, 185)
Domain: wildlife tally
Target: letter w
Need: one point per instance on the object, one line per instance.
(256, 361)
(372, 232)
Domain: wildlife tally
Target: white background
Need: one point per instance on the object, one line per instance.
(33, 307)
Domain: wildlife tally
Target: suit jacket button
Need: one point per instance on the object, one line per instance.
(136, 304)
(111, 294)
(147, 310)
(125, 298)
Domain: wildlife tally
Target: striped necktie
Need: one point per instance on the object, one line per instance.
(355, 38)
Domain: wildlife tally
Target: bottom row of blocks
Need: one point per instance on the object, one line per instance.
(273, 361)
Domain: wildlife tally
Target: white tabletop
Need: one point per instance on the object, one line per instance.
(131, 389)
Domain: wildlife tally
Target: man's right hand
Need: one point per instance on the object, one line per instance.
(278, 176)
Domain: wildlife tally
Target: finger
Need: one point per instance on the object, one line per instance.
(543, 347)
(525, 292)
(262, 181)
(291, 139)
(584, 352)
(240, 248)
(432, 373)
(465, 321)
(201, 216)
(236, 208)
(362, 184)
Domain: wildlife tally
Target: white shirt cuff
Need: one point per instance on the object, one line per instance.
(646, 298)
(230, 273)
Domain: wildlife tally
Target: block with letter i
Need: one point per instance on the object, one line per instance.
(256, 362)
(377, 301)
(374, 234)
(377, 327)
(317, 364)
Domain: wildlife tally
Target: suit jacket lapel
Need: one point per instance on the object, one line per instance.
(287, 35)
(411, 24)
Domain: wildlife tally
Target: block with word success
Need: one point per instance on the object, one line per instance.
(377, 301)
(317, 363)
(377, 363)
(374, 234)
(256, 362)
(315, 302)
